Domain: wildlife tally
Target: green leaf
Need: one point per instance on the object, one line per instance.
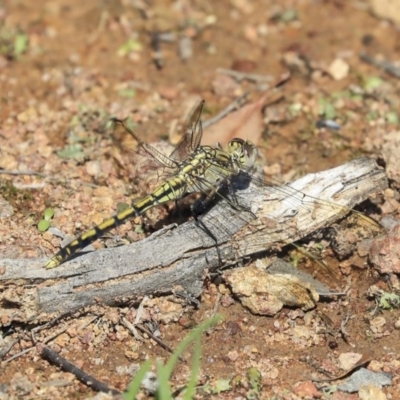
(48, 214)
(392, 117)
(372, 82)
(221, 385)
(254, 377)
(43, 225)
(295, 109)
(288, 15)
(128, 92)
(139, 228)
(389, 301)
(20, 44)
(71, 151)
(128, 47)
(327, 109)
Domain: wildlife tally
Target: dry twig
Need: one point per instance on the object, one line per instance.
(240, 76)
(384, 65)
(50, 355)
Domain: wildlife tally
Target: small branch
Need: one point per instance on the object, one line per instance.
(231, 107)
(54, 335)
(52, 322)
(49, 338)
(46, 340)
(50, 355)
(140, 310)
(132, 329)
(20, 354)
(384, 65)
(4, 351)
(142, 329)
(14, 172)
(241, 76)
(40, 174)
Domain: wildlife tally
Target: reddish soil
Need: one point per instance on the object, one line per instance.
(87, 61)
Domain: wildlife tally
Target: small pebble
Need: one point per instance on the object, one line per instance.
(339, 69)
(371, 392)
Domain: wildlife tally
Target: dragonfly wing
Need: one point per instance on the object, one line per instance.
(149, 150)
(192, 137)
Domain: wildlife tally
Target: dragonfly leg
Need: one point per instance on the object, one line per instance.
(200, 206)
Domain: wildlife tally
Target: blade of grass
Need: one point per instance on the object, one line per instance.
(134, 386)
(169, 367)
(194, 375)
(164, 390)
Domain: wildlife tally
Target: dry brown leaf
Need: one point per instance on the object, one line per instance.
(246, 123)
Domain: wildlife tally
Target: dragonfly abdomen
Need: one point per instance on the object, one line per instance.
(172, 189)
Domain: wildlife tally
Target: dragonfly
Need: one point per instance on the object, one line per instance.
(191, 168)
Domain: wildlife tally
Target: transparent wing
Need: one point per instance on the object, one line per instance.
(192, 136)
(151, 151)
(137, 161)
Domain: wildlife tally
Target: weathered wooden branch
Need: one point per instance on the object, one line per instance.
(180, 256)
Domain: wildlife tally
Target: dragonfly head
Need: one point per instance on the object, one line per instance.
(243, 152)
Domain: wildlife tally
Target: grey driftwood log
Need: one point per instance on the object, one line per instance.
(179, 257)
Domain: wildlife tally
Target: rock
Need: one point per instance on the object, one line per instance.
(266, 294)
(93, 168)
(306, 390)
(348, 360)
(339, 69)
(390, 154)
(168, 92)
(364, 377)
(384, 252)
(6, 209)
(377, 324)
(243, 65)
(339, 395)
(371, 392)
(387, 9)
(224, 85)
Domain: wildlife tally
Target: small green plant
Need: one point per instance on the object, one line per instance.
(254, 379)
(219, 386)
(372, 82)
(326, 108)
(74, 151)
(44, 224)
(392, 117)
(129, 93)
(164, 372)
(13, 44)
(21, 44)
(130, 46)
(388, 301)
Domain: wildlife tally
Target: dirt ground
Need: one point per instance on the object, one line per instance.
(66, 67)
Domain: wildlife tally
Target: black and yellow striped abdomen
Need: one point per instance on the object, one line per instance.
(172, 189)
